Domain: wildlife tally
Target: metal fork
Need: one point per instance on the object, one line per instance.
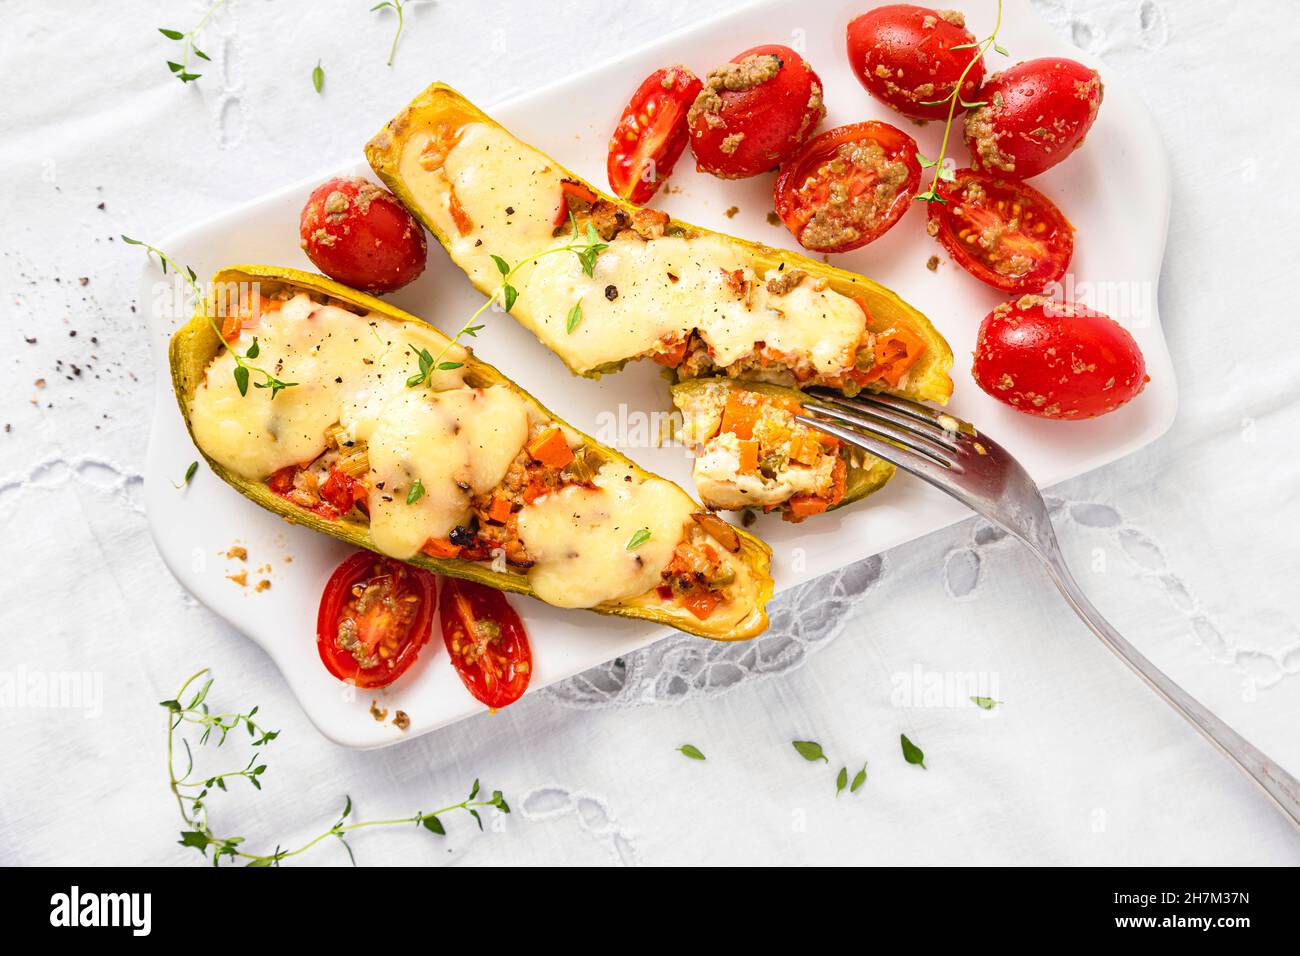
(954, 457)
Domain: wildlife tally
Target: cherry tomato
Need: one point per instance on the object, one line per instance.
(375, 615)
(1006, 234)
(651, 134)
(754, 112)
(1034, 115)
(904, 55)
(486, 641)
(848, 186)
(1056, 359)
(362, 235)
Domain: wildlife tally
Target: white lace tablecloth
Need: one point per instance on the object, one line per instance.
(1188, 545)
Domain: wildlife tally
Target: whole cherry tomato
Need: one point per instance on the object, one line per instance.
(1034, 115)
(907, 57)
(362, 235)
(651, 134)
(375, 615)
(848, 186)
(1057, 360)
(1006, 234)
(754, 112)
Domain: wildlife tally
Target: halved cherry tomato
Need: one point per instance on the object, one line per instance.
(1006, 234)
(362, 235)
(755, 112)
(848, 186)
(908, 56)
(375, 615)
(651, 134)
(1034, 115)
(1057, 359)
(486, 641)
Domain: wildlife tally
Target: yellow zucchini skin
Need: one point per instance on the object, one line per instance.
(197, 343)
(439, 104)
(860, 482)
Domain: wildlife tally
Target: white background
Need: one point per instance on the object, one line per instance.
(1187, 545)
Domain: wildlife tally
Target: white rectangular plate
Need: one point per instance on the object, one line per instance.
(1115, 191)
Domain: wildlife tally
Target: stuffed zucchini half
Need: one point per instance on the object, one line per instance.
(697, 301)
(395, 439)
(751, 453)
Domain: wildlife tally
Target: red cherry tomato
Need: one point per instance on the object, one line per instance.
(1034, 115)
(1006, 234)
(848, 186)
(651, 134)
(904, 55)
(486, 641)
(361, 235)
(754, 112)
(375, 615)
(1057, 359)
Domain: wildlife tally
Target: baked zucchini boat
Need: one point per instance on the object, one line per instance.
(393, 438)
(697, 301)
(751, 453)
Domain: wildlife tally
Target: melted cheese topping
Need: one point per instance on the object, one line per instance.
(642, 293)
(352, 371)
(579, 537)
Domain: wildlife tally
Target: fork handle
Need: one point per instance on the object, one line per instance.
(1283, 788)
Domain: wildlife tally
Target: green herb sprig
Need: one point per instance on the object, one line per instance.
(586, 246)
(192, 792)
(318, 77)
(181, 70)
(952, 99)
(641, 536)
(398, 6)
(242, 369)
(690, 750)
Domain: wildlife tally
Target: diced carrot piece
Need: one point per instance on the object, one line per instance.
(839, 482)
(458, 214)
(740, 414)
(804, 506)
(577, 190)
(896, 351)
(701, 602)
(230, 327)
(551, 448)
(672, 355)
(748, 456)
(500, 509)
(441, 548)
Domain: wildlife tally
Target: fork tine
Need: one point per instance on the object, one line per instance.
(901, 430)
(904, 454)
(905, 406)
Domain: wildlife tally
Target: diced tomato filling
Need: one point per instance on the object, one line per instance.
(343, 491)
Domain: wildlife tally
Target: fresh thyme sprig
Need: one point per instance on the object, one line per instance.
(398, 6)
(192, 792)
(242, 366)
(586, 246)
(181, 70)
(952, 99)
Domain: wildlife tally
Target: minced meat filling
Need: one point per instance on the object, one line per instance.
(845, 214)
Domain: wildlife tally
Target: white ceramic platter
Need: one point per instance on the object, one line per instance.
(1115, 190)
